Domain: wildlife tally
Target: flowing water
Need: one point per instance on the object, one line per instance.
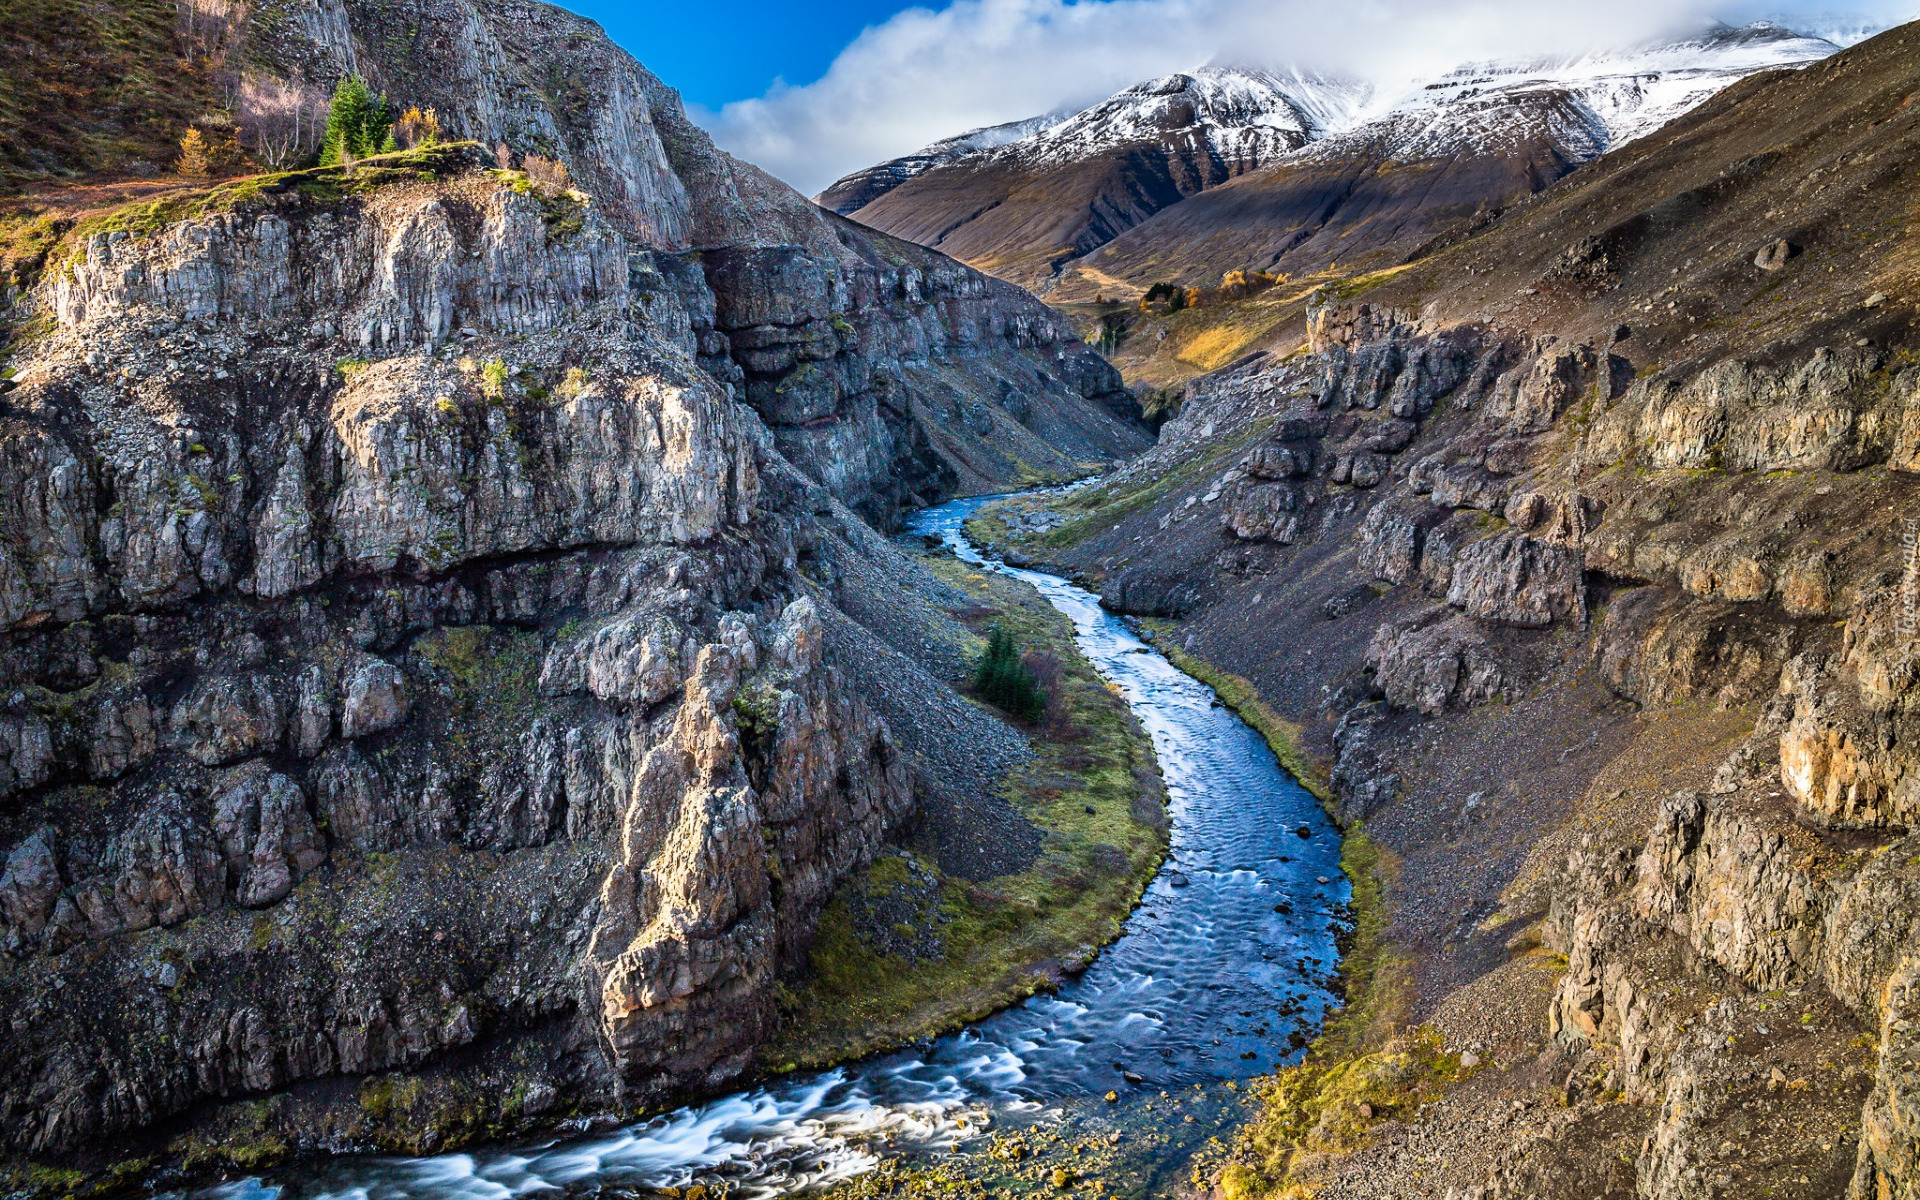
(1230, 951)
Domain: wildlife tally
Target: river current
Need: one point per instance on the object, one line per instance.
(1230, 951)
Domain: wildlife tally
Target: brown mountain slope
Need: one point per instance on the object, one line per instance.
(1370, 180)
(1663, 234)
(1354, 202)
(1659, 235)
(1018, 224)
(1021, 210)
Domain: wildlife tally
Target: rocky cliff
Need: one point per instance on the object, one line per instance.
(425, 594)
(1583, 553)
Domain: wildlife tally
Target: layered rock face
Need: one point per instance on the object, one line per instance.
(420, 593)
(368, 706)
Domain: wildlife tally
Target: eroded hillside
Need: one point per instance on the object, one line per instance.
(1580, 555)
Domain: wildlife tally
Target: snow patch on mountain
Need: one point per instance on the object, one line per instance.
(865, 186)
(1596, 102)
(1241, 112)
(1242, 117)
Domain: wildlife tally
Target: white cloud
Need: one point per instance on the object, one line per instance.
(923, 75)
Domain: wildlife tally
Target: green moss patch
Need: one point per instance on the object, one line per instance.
(905, 952)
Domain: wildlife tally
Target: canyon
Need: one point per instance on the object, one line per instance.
(446, 642)
(455, 657)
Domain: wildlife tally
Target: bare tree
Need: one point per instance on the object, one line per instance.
(210, 28)
(549, 173)
(281, 120)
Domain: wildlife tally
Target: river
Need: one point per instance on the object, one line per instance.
(1230, 951)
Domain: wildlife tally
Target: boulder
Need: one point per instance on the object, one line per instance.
(1434, 661)
(266, 835)
(375, 698)
(225, 718)
(1519, 580)
(1774, 255)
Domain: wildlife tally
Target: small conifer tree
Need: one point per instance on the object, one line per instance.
(1005, 681)
(359, 123)
(193, 161)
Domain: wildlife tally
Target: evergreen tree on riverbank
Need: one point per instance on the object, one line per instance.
(1005, 681)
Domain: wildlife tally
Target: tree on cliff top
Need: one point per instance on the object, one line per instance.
(193, 161)
(359, 123)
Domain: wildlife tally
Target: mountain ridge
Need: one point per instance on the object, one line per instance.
(1495, 130)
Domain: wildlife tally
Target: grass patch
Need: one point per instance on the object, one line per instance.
(33, 241)
(489, 681)
(562, 210)
(100, 86)
(1092, 788)
(1104, 506)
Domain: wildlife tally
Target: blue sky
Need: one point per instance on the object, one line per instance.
(812, 89)
(725, 50)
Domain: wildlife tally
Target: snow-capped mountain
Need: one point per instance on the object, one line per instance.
(862, 188)
(1241, 112)
(1612, 98)
(1024, 200)
(1241, 117)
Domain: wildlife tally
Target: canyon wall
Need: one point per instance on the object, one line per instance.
(425, 594)
(1581, 553)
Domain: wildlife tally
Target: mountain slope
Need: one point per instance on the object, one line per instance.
(862, 188)
(1020, 209)
(1455, 150)
(1579, 552)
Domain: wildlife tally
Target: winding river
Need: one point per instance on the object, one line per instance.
(1230, 951)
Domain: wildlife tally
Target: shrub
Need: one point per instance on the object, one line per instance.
(418, 128)
(1175, 296)
(493, 380)
(548, 174)
(359, 123)
(1005, 681)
